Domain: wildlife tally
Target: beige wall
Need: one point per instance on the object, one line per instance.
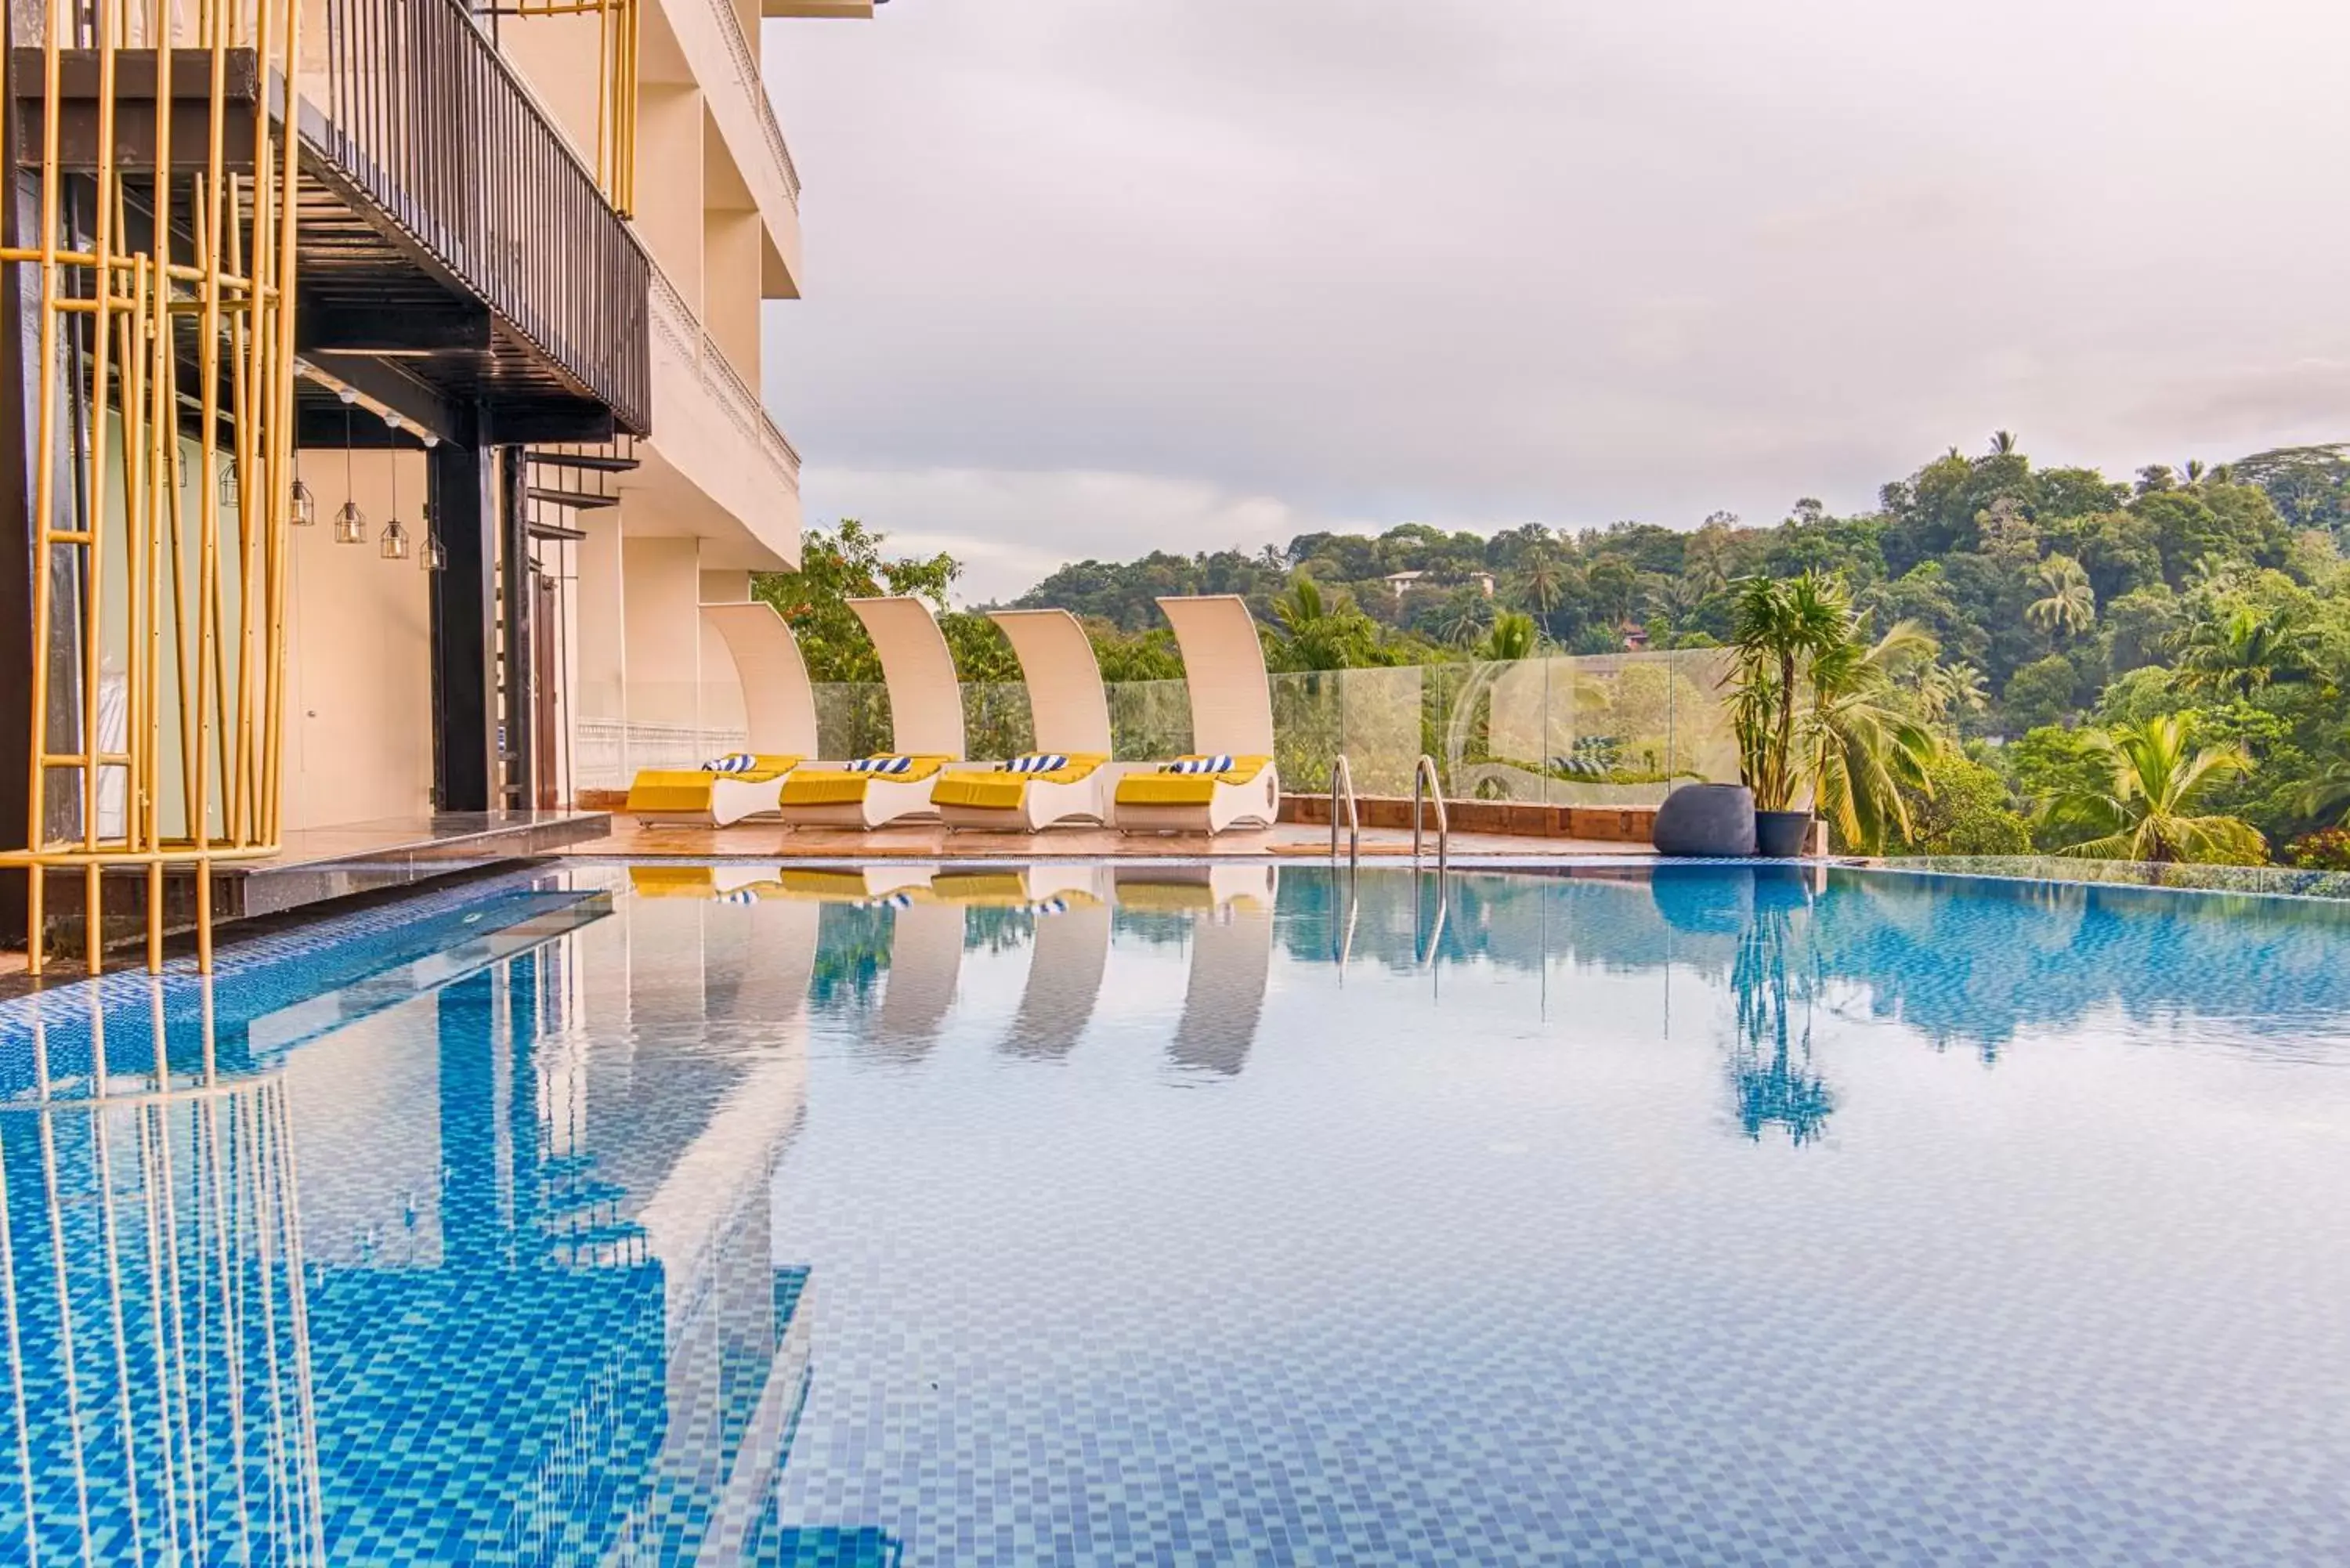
(358, 697)
(664, 585)
(731, 258)
(600, 631)
(669, 194)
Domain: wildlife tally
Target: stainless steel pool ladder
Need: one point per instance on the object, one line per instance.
(1425, 784)
(1342, 786)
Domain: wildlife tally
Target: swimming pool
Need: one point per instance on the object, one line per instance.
(1072, 1213)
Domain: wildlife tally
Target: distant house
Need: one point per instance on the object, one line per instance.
(1635, 637)
(1402, 583)
(1484, 580)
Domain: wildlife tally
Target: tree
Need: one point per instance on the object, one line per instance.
(2039, 693)
(1318, 632)
(1951, 691)
(1512, 636)
(1614, 584)
(2003, 444)
(2246, 652)
(2146, 808)
(1135, 656)
(835, 568)
(1540, 582)
(1461, 616)
(1966, 813)
(1813, 702)
(2067, 605)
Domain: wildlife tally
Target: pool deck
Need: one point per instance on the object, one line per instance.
(769, 841)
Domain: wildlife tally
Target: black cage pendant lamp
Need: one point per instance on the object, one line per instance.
(350, 522)
(394, 547)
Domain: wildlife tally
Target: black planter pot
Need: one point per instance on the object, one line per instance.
(1780, 835)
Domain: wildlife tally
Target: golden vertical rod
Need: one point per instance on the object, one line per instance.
(284, 432)
(44, 496)
(208, 502)
(156, 388)
(234, 719)
(93, 908)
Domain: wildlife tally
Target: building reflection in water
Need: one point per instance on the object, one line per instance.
(162, 1398)
(485, 1276)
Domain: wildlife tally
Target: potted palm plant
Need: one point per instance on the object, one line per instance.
(1814, 705)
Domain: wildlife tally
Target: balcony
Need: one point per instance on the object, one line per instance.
(719, 60)
(717, 468)
(454, 254)
(418, 115)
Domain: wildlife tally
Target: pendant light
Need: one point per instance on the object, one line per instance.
(350, 522)
(394, 547)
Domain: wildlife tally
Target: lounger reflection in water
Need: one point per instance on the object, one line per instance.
(1068, 953)
(1228, 780)
(925, 947)
(1231, 954)
(1069, 776)
(925, 721)
(780, 706)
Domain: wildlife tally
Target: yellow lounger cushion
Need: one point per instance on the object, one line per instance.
(673, 881)
(1186, 789)
(829, 786)
(992, 789)
(688, 789)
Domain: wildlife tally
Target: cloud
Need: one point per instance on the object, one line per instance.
(1010, 528)
(1383, 260)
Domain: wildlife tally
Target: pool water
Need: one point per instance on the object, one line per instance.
(1072, 1214)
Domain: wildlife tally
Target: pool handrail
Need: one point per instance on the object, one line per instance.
(1423, 777)
(1342, 777)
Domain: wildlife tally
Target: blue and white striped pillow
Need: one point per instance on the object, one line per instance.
(1199, 766)
(731, 763)
(1036, 762)
(1047, 906)
(880, 764)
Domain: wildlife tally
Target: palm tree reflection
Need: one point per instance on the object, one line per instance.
(1771, 1069)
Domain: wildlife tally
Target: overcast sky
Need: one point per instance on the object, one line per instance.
(1090, 277)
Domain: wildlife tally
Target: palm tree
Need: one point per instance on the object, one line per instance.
(1463, 616)
(2067, 605)
(1318, 633)
(1540, 582)
(2248, 651)
(2003, 444)
(1865, 746)
(1813, 700)
(2326, 797)
(2148, 812)
(1949, 690)
(1675, 600)
(1513, 635)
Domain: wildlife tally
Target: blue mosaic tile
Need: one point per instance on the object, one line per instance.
(1700, 1214)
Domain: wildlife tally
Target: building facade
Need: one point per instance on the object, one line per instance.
(367, 459)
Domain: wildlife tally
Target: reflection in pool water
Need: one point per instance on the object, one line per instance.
(695, 1215)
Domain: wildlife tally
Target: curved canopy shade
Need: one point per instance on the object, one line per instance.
(925, 699)
(1065, 683)
(776, 697)
(1223, 667)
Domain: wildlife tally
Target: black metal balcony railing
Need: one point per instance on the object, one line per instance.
(434, 127)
